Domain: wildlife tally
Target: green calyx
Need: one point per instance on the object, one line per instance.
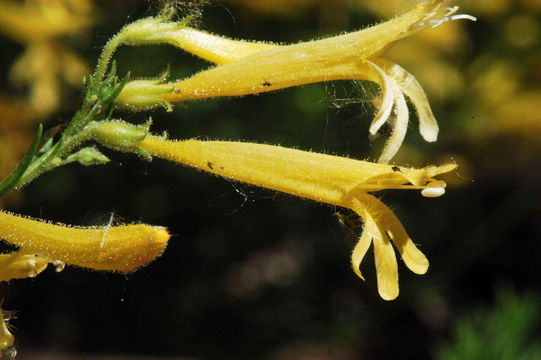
(145, 94)
(120, 135)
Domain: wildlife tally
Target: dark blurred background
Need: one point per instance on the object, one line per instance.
(251, 273)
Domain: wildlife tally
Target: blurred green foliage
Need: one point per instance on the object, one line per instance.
(504, 331)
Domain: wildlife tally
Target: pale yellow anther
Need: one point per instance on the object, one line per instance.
(433, 192)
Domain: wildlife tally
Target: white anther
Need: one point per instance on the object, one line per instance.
(461, 17)
(433, 192)
(437, 22)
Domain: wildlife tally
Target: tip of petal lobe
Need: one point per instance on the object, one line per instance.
(386, 269)
(160, 237)
(139, 245)
(430, 134)
(416, 261)
(157, 237)
(388, 290)
(357, 272)
(360, 249)
(437, 170)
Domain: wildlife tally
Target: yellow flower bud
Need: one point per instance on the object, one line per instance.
(145, 94)
(115, 248)
(119, 135)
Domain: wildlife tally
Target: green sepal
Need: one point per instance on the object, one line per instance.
(145, 94)
(16, 175)
(47, 145)
(120, 135)
(163, 75)
(87, 156)
(113, 94)
(111, 75)
(142, 153)
(110, 86)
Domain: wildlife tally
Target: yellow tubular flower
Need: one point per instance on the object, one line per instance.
(325, 178)
(18, 265)
(251, 68)
(115, 248)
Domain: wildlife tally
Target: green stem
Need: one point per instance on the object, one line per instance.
(77, 130)
(98, 97)
(72, 137)
(104, 60)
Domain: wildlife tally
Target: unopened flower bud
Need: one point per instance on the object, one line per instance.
(120, 135)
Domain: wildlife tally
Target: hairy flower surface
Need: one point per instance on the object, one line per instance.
(115, 248)
(325, 178)
(254, 67)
